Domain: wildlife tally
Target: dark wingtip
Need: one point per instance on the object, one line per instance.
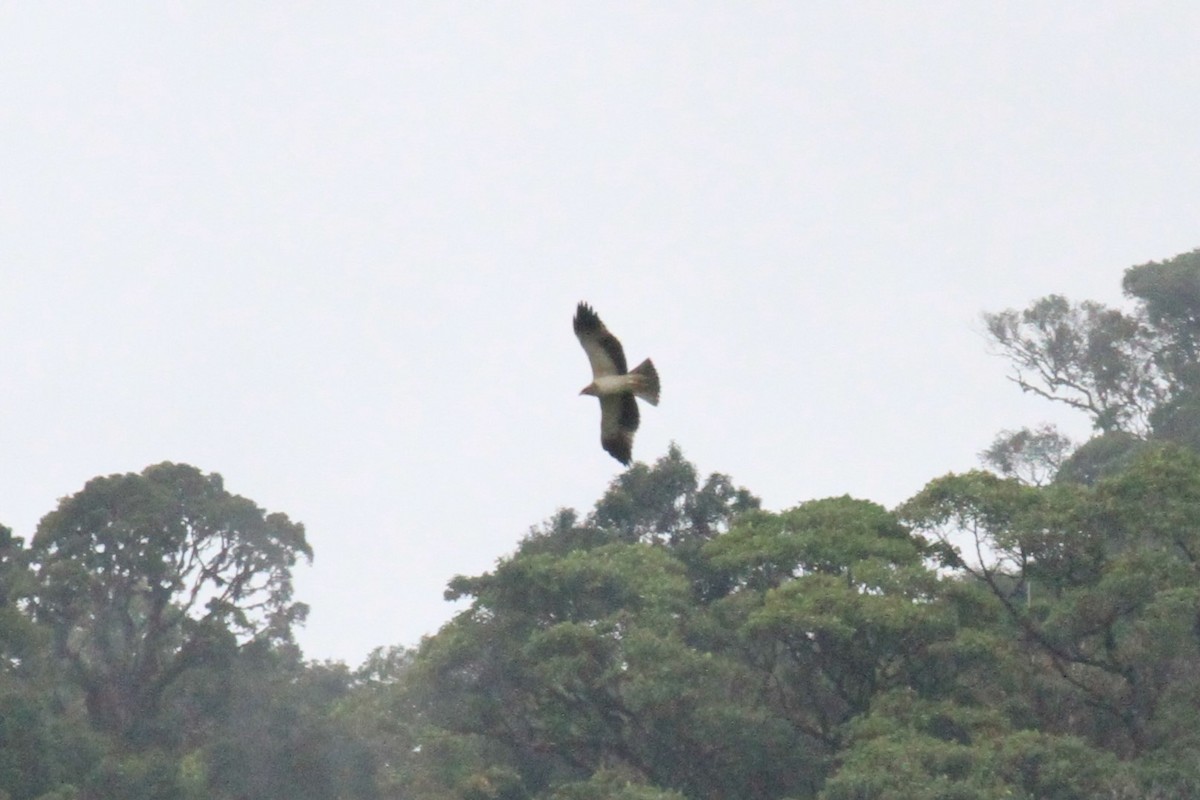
(619, 448)
(586, 319)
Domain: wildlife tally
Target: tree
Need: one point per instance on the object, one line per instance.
(143, 577)
(42, 743)
(278, 733)
(1030, 456)
(589, 664)
(666, 504)
(1135, 373)
(547, 659)
(908, 748)
(17, 634)
(576, 672)
(1099, 457)
(1091, 357)
(834, 604)
(1169, 296)
(612, 785)
(1099, 585)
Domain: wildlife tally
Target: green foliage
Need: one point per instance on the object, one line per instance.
(148, 775)
(921, 750)
(1135, 373)
(573, 662)
(582, 654)
(18, 637)
(666, 503)
(1178, 419)
(1090, 357)
(145, 652)
(142, 577)
(583, 585)
(41, 747)
(279, 735)
(822, 536)
(1052, 657)
(1099, 585)
(610, 785)
(554, 636)
(1100, 457)
(44, 744)
(1033, 634)
(1055, 656)
(1169, 294)
(1030, 456)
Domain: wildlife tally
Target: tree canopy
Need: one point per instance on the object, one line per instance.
(141, 577)
(1031, 630)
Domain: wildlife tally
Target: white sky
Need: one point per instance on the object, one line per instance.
(332, 251)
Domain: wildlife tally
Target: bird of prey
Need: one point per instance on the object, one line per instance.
(613, 384)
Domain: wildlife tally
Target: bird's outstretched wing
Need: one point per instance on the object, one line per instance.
(618, 422)
(603, 349)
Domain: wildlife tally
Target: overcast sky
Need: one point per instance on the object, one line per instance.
(332, 251)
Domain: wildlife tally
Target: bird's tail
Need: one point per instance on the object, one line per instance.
(646, 385)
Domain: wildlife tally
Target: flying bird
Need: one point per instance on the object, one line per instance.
(613, 384)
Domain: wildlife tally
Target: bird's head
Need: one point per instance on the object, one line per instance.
(590, 389)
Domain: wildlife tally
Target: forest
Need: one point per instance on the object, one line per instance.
(1030, 629)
